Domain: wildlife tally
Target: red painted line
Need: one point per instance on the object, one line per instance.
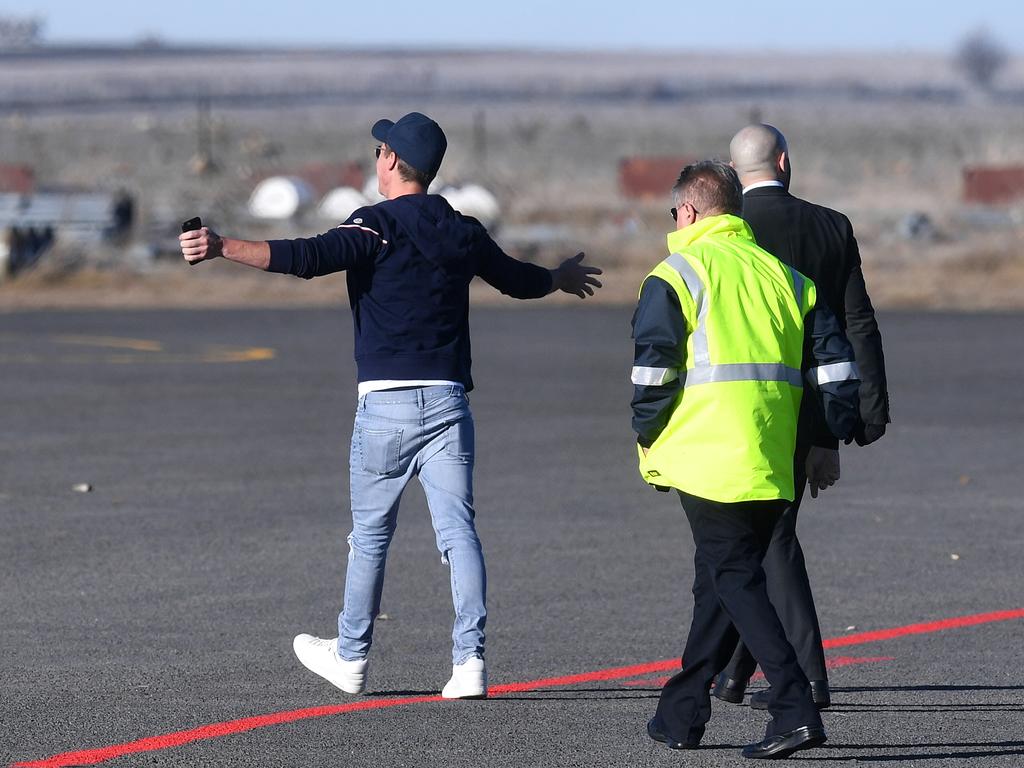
(213, 731)
(230, 727)
(919, 629)
(835, 662)
(615, 673)
(832, 662)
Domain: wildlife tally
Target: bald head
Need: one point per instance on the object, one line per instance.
(759, 153)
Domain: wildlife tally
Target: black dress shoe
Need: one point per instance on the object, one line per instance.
(785, 744)
(728, 689)
(655, 732)
(819, 692)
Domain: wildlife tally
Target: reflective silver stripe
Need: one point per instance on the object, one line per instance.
(744, 372)
(826, 374)
(702, 371)
(695, 285)
(798, 288)
(645, 376)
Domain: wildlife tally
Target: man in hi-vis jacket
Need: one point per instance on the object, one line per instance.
(726, 335)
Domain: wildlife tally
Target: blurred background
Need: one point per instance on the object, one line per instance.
(566, 126)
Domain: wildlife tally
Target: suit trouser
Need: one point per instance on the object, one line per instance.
(790, 592)
(730, 602)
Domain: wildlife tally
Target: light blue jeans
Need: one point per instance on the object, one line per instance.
(427, 432)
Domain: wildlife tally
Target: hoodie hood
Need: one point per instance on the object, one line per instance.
(442, 235)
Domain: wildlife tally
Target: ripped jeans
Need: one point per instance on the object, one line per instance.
(427, 432)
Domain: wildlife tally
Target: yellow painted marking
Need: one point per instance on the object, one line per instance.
(243, 355)
(209, 354)
(117, 342)
(246, 355)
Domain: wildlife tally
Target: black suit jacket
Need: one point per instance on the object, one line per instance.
(819, 242)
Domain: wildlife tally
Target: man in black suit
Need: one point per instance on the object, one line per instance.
(818, 242)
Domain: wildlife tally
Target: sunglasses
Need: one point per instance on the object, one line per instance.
(377, 150)
(674, 212)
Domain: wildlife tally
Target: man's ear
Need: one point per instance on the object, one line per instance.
(783, 161)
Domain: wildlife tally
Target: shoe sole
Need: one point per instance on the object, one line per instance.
(661, 738)
(349, 689)
(810, 743)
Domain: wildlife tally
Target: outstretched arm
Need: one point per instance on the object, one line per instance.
(205, 244)
(522, 280)
(341, 248)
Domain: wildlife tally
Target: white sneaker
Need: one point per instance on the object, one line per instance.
(319, 655)
(469, 680)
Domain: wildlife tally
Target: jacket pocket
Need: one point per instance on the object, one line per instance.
(380, 450)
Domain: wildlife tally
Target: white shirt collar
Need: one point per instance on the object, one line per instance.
(760, 184)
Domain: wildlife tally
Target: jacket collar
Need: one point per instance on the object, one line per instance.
(723, 225)
(763, 183)
(767, 191)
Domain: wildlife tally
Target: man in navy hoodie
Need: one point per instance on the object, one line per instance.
(409, 261)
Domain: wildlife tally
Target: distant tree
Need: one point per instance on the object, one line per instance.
(20, 32)
(980, 57)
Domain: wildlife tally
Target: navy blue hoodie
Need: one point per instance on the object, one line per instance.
(409, 262)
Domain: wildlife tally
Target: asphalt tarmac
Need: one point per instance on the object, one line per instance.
(215, 445)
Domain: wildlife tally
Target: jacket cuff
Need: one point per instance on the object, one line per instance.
(281, 258)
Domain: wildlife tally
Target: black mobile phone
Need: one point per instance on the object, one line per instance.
(191, 226)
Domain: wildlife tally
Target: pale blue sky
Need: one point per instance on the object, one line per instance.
(798, 25)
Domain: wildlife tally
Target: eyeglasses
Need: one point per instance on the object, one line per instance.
(377, 150)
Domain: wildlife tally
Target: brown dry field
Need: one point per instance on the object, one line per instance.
(879, 137)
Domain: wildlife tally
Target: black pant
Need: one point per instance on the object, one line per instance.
(790, 592)
(731, 602)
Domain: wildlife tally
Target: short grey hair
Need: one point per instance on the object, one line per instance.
(710, 186)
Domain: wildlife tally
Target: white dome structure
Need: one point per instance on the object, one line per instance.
(473, 200)
(280, 197)
(340, 202)
(373, 196)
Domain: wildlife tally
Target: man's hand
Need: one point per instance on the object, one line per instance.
(200, 245)
(822, 468)
(572, 277)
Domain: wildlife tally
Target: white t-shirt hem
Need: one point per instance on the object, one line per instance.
(379, 385)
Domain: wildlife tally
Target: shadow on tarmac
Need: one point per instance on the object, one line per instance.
(559, 693)
(899, 709)
(990, 750)
(870, 688)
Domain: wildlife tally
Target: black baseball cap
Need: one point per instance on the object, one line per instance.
(416, 139)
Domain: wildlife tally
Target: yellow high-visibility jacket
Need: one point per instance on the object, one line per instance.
(731, 432)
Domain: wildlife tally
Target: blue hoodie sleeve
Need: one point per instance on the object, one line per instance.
(344, 247)
(518, 279)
